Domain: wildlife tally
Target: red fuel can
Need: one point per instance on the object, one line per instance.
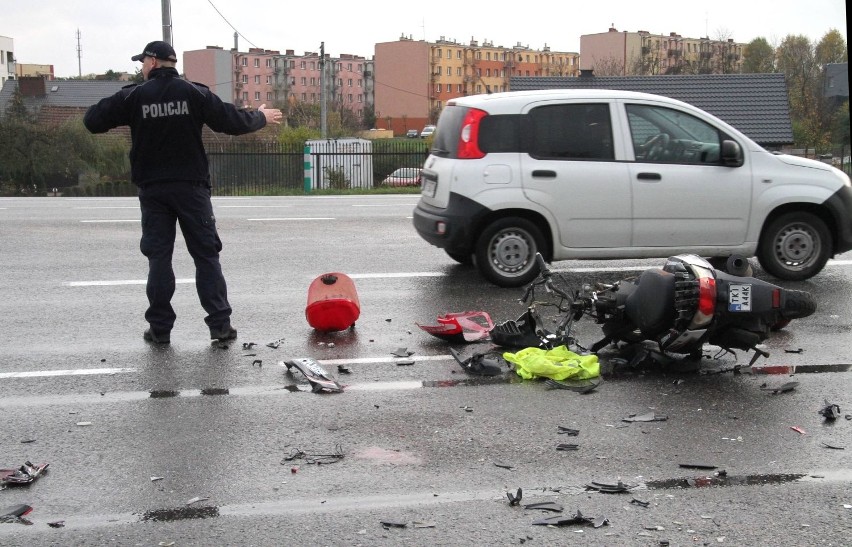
(332, 302)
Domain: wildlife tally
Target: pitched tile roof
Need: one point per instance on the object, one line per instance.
(756, 104)
(62, 93)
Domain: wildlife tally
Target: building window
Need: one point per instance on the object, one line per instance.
(245, 78)
(437, 88)
(449, 54)
(340, 82)
(438, 70)
(313, 81)
(257, 95)
(303, 65)
(268, 95)
(350, 83)
(360, 67)
(245, 96)
(360, 81)
(244, 61)
(304, 97)
(257, 63)
(349, 68)
(487, 55)
(313, 65)
(439, 52)
(360, 98)
(458, 71)
(313, 97)
(293, 64)
(304, 81)
(488, 72)
(268, 63)
(350, 98)
(257, 80)
(478, 89)
(449, 71)
(458, 54)
(293, 80)
(269, 80)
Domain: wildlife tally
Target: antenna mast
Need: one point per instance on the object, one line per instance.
(79, 52)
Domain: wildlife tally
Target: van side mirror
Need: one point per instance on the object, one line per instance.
(732, 154)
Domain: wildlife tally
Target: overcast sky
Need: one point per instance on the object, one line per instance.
(45, 31)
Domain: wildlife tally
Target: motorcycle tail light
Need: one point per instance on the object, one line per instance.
(776, 298)
(706, 297)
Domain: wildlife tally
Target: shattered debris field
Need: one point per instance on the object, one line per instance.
(386, 433)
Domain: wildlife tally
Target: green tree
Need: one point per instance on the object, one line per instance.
(831, 48)
(758, 57)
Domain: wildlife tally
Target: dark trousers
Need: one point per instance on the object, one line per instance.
(189, 204)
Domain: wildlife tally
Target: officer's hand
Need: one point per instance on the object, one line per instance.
(273, 115)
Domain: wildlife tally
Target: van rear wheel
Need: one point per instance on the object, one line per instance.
(795, 246)
(505, 251)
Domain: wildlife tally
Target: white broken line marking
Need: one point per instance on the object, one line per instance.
(116, 282)
(291, 218)
(104, 221)
(78, 372)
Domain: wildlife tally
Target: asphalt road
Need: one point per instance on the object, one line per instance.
(423, 445)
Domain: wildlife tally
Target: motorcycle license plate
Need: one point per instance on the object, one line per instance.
(739, 297)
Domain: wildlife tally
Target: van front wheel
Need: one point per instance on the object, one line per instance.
(505, 252)
(795, 246)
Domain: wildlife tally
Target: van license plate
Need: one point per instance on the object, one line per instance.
(739, 297)
(429, 187)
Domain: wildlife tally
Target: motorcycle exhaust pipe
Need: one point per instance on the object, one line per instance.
(739, 266)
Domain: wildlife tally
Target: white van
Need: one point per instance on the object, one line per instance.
(600, 174)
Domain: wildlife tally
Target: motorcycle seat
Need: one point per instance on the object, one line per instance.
(651, 306)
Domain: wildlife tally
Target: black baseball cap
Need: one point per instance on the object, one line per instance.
(158, 50)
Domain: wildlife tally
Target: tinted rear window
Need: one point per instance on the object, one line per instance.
(447, 132)
(500, 134)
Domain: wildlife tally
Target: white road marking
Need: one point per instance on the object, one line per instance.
(290, 218)
(77, 372)
(252, 206)
(110, 207)
(384, 205)
(116, 282)
(107, 221)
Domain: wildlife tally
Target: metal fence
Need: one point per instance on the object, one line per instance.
(254, 168)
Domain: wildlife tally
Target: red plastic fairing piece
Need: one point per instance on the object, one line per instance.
(462, 327)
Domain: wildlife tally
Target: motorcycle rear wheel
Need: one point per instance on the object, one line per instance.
(797, 304)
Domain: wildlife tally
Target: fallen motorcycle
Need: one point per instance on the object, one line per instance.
(678, 308)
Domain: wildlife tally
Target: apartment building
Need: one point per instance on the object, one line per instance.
(7, 59)
(615, 53)
(259, 76)
(415, 79)
(30, 70)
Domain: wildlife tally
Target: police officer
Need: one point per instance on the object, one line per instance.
(169, 165)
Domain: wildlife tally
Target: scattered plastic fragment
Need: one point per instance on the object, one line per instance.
(343, 369)
(697, 466)
(84, 424)
(798, 430)
(418, 524)
(798, 350)
(248, 345)
(196, 500)
(318, 459)
(514, 499)
(567, 447)
(16, 513)
(28, 441)
(830, 411)
(654, 527)
(577, 518)
(641, 503)
(477, 364)
(319, 379)
(832, 446)
(504, 465)
(467, 408)
(567, 431)
(650, 417)
(545, 506)
(258, 362)
(402, 352)
(155, 479)
(464, 327)
(25, 474)
(783, 388)
(579, 386)
(56, 524)
(404, 362)
(393, 524)
(609, 488)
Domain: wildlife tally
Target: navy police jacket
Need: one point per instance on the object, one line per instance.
(165, 115)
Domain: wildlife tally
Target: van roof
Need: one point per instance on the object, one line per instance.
(515, 99)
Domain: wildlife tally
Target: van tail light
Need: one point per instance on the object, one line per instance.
(469, 136)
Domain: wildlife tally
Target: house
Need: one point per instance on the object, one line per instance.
(53, 102)
(756, 104)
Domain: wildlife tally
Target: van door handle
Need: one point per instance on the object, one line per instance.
(544, 173)
(649, 176)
